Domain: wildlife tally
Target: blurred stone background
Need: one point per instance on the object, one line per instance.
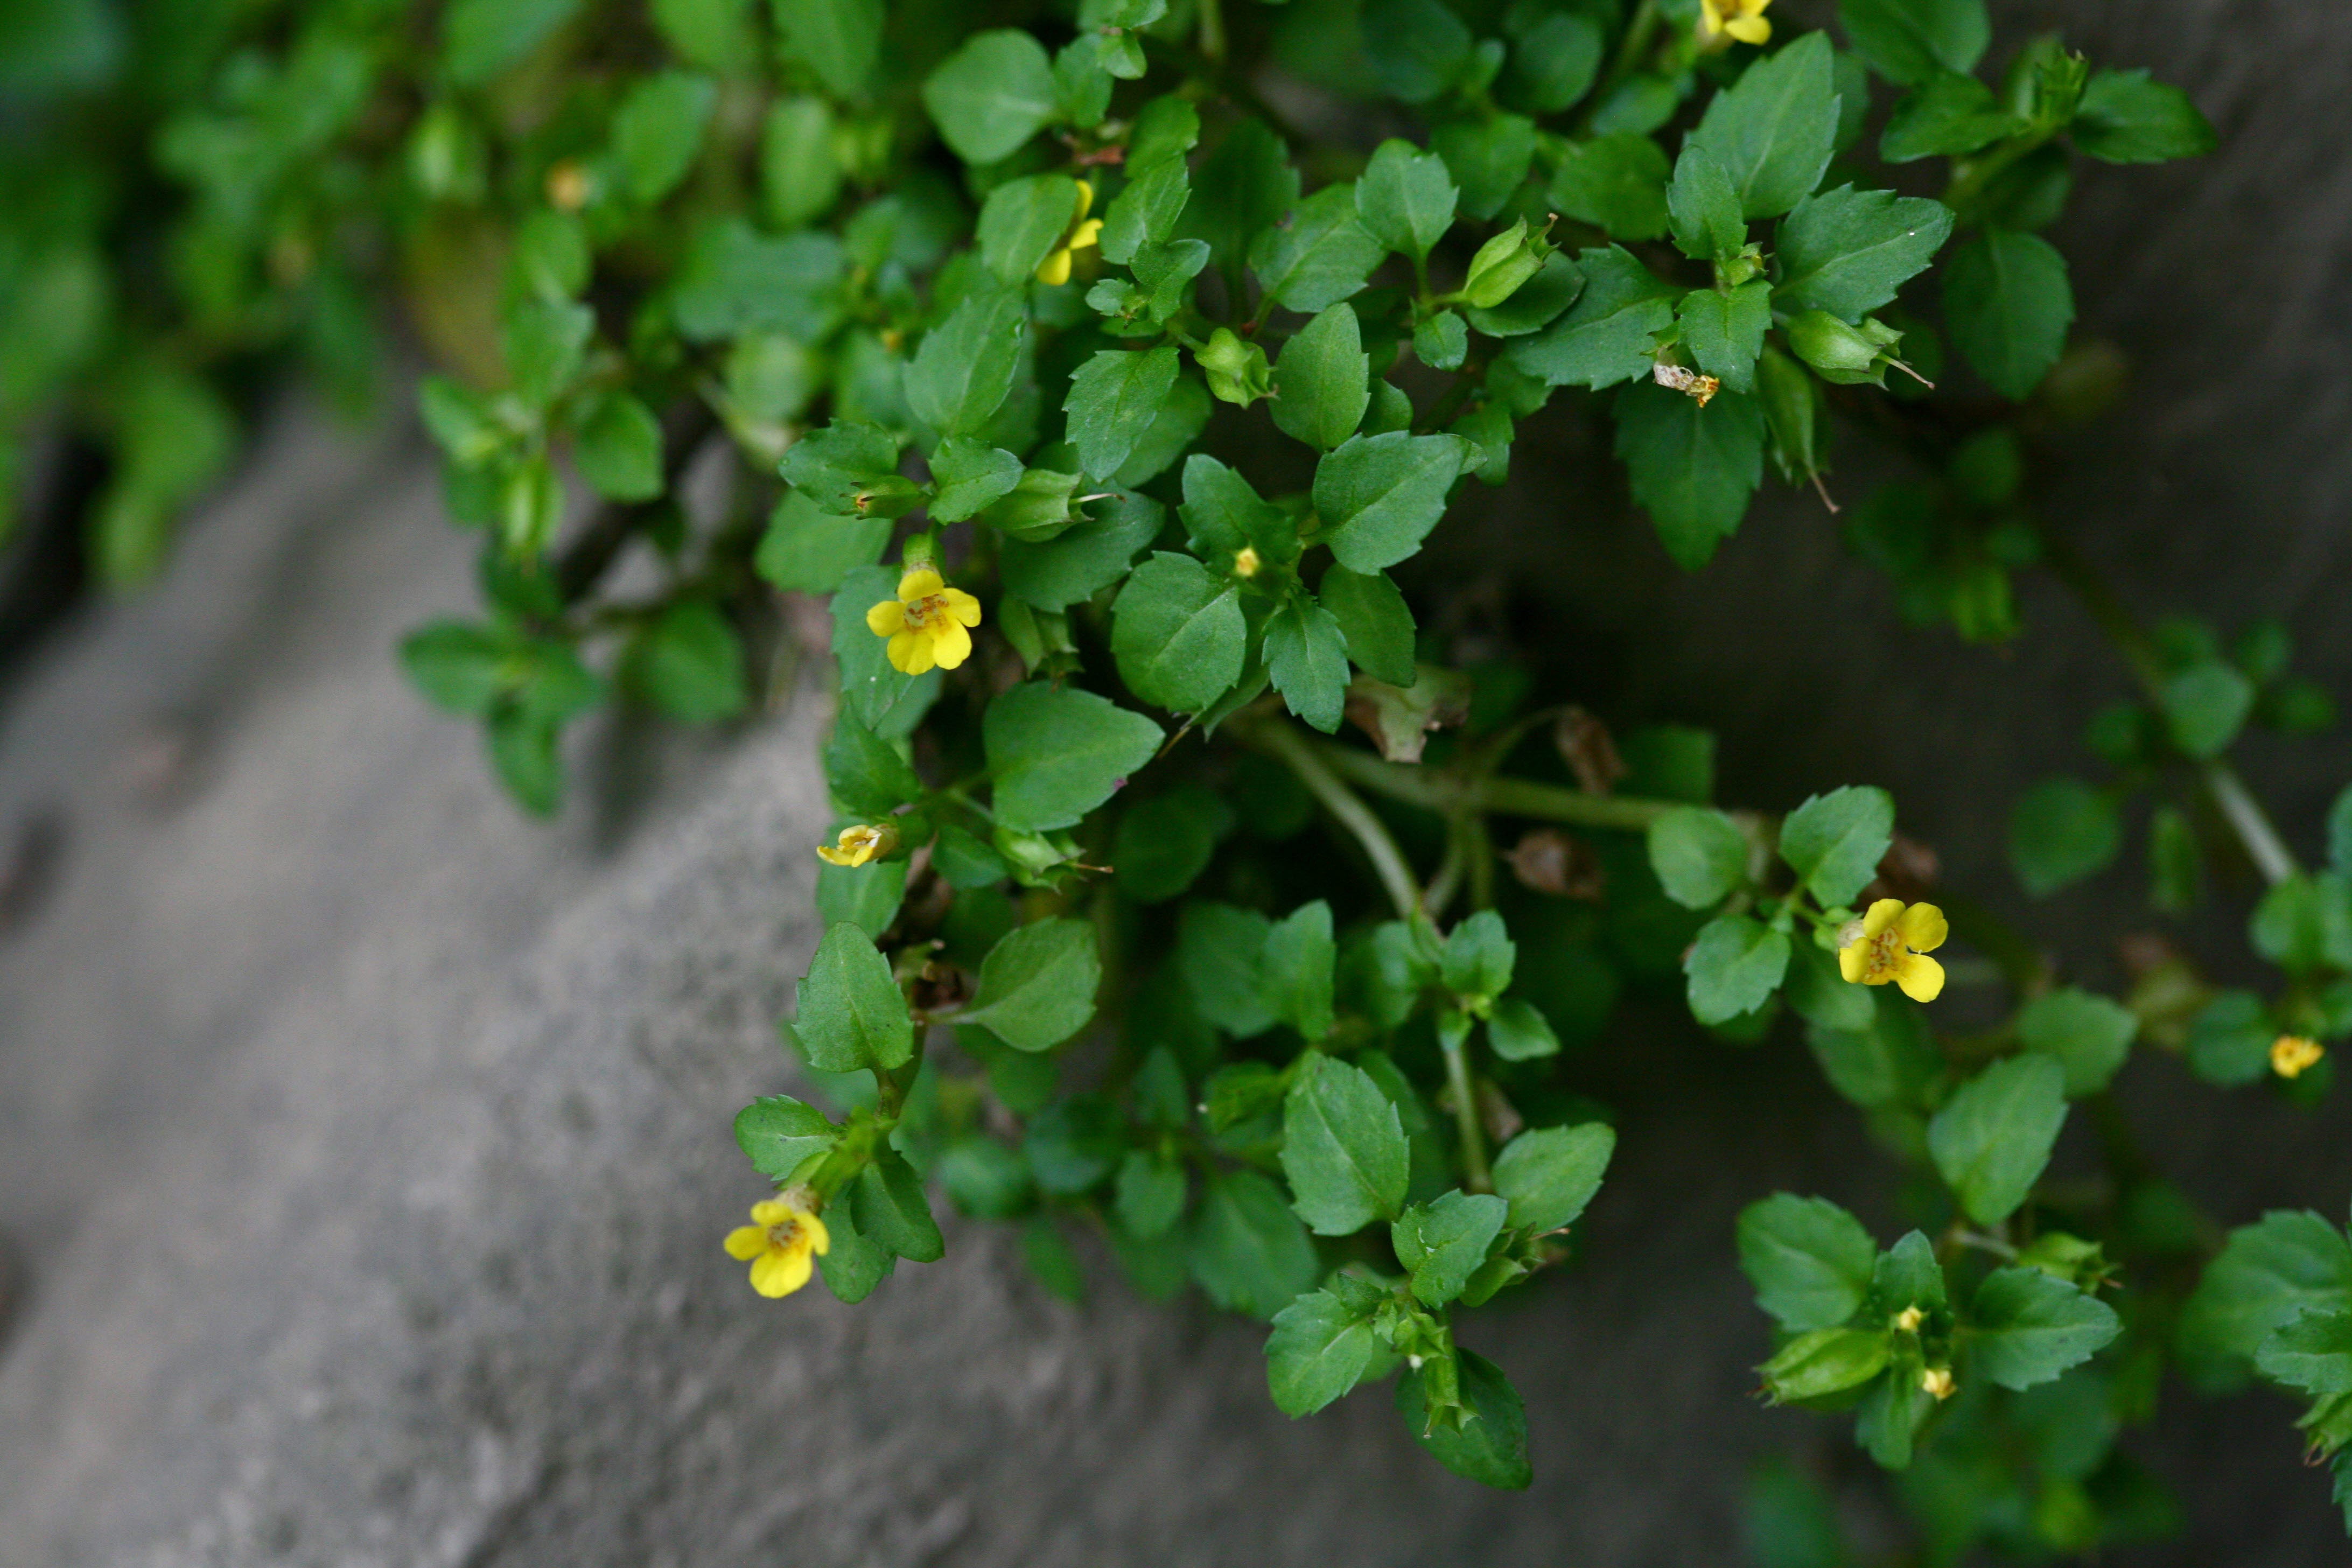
(362, 1150)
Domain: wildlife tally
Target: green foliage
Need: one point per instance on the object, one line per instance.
(1324, 1059)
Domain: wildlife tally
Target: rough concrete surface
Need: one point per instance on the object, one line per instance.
(362, 1146)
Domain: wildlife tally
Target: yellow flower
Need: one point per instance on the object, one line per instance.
(860, 843)
(1084, 234)
(924, 623)
(1891, 942)
(1246, 562)
(1908, 1320)
(777, 1244)
(1938, 1381)
(1742, 19)
(2293, 1055)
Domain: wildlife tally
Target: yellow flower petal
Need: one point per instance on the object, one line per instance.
(1924, 928)
(886, 619)
(951, 644)
(1086, 200)
(771, 1211)
(1054, 271)
(921, 583)
(1922, 978)
(1749, 29)
(832, 856)
(910, 653)
(746, 1242)
(1881, 915)
(819, 1237)
(1087, 235)
(1854, 960)
(961, 606)
(780, 1271)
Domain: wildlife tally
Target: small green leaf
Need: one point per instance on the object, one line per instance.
(2312, 1353)
(780, 1134)
(620, 450)
(658, 131)
(1488, 156)
(888, 1203)
(1825, 1361)
(2088, 1035)
(1810, 1260)
(2229, 1040)
(1320, 1348)
(1166, 842)
(1379, 496)
(1405, 198)
(1442, 1243)
(1374, 620)
(1949, 115)
(1307, 657)
(1323, 380)
(1320, 256)
(971, 477)
(1492, 1449)
(1610, 335)
(807, 550)
(1417, 48)
(1734, 967)
(1246, 1249)
(834, 466)
(1343, 1149)
(1774, 130)
(1150, 1194)
(1835, 841)
(1699, 856)
(1057, 753)
(2205, 706)
(1085, 559)
(840, 41)
(688, 662)
(963, 372)
(1221, 951)
(1478, 958)
(2125, 117)
(1703, 209)
(1993, 1138)
(1724, 331)
(851, 1014)
(801, 174)
(1847, 252)
(2061, 831)
(1114, 398)
(1177, 634)
(480, 38)
(2007, 304)
(1911, 41)
(2028, 1327)
(1037, 984)
(1519, 1033)
(993, 94)
(1022, 221)
(867, 775)
(2268, 1275)
(1296, 970)
(1616, 183)
(1692, 469)
(1547, 1174)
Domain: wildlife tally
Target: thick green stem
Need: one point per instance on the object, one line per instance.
(1476, 1177)
(1283, 743)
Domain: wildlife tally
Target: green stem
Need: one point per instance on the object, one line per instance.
(1476, 1177)
(1283, 743)
(1558, 803)
(2262, 844)
(1212, 30)
(1638, 34)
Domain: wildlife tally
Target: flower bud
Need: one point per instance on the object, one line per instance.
(1238, 371)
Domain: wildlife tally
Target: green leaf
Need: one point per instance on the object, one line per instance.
(2061, 831)
(993, 94)
(1320, 1348)
(1057, 753)
(1145, 212)
(809, 551)
(736, 280)
(971, 477)
(963, 372)
(1835, 841)
(543, 341)
(1442, 1243)
(1949, 115)
(1343, 1149)
(1374, 621)
(1774, 130)
(1610, 333)
(2007, 305)
(1037, 984)
(887, 1205)
(1492, 1449)
(1907, 1274)
(867, 896)
(1724, 331)
(2312, 1353)
(835, 466)
(1221, 950)
(1379, 496)
(1547, 1174)
(1699, 856)
(1616, 183)
(1166, 842)
(1405, 198)
(1734, 967)
(1518, 1032)
(985, 1178)
(884, 699)
(2125, 117)
(1150, 1194)
(1538, 302)
(1847, 252)
(1417, 48)
(1177, 634)
(1824, 1363)
(1296, 971)
(688, 662)
(1085, 559)
(2229, 1040)
(867, 775)
(801, 174)
(1246, 1249)
(620, 450)
(1703, 209)
(1810, 1260)
(2206, 705)
(1247, 184)
(465, 669)
(1022, 221)
(857, 1263)
(1323, 380)
(1478, 957)
(839, 40)
(2088, 1035)
(480, 38)
(2304, 923)
(2268, 1275)
(658, 128)
(1307, 657)
(2028, 1327)
(1887, 1059)
(1911, 41)
(1183, 415)
(851, 1014)
(1993, 1137)
(1319, 255)
(780, 1134)
(1692, 469)
(1822, 995)
(1488, 157)
(1114, 398)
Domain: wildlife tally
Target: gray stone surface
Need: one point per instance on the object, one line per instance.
(364, 1145)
